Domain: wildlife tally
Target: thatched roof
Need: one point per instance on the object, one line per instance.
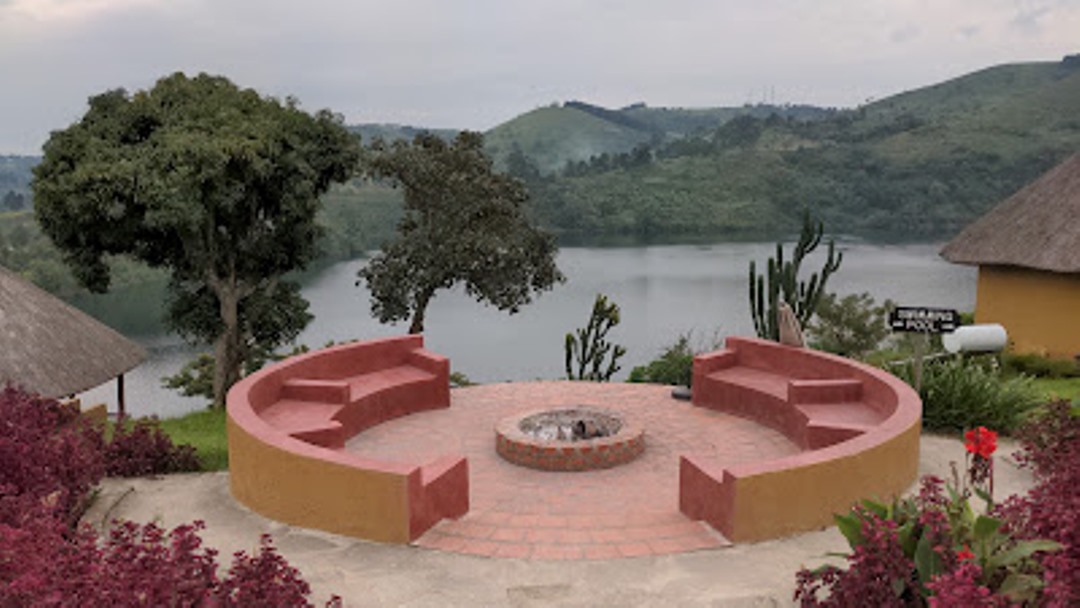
(54, 349)
(1038, 227)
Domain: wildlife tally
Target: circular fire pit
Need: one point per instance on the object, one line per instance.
(569, 439)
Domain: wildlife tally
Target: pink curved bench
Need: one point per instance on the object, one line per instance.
(288, 424)
(858, 426)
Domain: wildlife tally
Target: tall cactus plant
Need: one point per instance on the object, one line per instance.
(589, 350)
(781, 281)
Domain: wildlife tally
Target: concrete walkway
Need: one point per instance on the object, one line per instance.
(370, 574)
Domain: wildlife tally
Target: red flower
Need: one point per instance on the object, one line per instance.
(965, 554)
(981, 441)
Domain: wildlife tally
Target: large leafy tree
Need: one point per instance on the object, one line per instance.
(463, 223)
(213, 182)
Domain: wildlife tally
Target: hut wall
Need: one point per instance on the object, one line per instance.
(1040, 310)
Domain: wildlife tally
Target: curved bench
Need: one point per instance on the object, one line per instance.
(858, 426)
(288, 423)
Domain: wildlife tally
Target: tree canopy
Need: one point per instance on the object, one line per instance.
(463, 223)
(218, 184)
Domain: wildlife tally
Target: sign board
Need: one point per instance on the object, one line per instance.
(924, 320)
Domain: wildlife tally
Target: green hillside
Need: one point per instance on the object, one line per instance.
(674, 123)
(552, 136)
(920, 165)
(575, 132)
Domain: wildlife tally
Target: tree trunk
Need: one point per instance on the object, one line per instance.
(417, 325)
(228, 357)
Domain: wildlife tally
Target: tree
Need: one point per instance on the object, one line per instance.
(14, 201)
(217, 184)
(463, 223)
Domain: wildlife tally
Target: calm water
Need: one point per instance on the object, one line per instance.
(663, 291)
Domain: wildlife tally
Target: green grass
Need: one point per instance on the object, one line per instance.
(1059, 388)
(205, 430)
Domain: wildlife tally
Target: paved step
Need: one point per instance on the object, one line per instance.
(555, 537)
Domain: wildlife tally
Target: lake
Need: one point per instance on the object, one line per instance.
(663, 291)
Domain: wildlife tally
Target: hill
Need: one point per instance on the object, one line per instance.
(552, 136)
(556, 136)
(920, 165)
(675, 123)
(916, 166)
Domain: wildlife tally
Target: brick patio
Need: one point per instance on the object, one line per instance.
(627, 511)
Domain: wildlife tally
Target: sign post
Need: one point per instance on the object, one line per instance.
(922, 320)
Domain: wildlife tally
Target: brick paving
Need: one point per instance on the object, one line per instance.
(627, 511)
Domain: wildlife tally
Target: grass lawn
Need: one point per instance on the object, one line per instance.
(204, 429)
(1061, 388)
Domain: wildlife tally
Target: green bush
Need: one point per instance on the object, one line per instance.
(1039, 366)
(959, 393)
(852, 326)
(674, 366)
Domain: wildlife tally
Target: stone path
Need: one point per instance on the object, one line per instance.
(627, 511)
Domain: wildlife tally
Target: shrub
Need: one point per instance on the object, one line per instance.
(932, 549)
(1039, 366)
(49, 459)
(959, 393)
(264, 580)
(142, 448)
(1025, 551)
(674, 366)
(139, 565)
(851, 327)
(1051, 449)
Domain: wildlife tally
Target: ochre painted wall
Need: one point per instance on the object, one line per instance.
(1039, 310)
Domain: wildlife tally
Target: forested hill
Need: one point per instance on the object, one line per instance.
(920, 165)
(576, 131)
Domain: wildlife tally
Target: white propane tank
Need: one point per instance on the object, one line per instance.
(983, 338)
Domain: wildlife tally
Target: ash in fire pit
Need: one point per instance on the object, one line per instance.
(570, 425)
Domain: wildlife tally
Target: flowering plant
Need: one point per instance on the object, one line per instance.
(981, 441)
(933, 550)
(980, 444)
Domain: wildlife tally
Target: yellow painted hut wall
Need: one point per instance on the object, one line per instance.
(1040, 310)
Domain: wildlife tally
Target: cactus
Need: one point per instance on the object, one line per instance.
(782, 278)
(590, 347)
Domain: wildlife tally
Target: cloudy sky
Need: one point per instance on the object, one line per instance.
(473, 64)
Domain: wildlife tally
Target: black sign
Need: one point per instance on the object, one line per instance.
(924, 320)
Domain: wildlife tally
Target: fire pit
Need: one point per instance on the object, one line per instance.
(569, 439)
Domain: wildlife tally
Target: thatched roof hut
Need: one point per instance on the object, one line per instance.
(1028, 252)
(55, 349)
(1038, 227)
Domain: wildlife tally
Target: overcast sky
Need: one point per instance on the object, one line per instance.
(474, 64)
